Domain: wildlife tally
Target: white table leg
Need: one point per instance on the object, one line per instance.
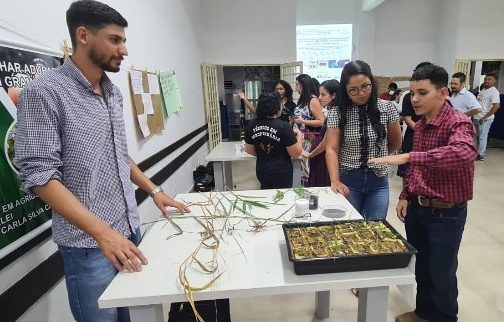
(322, 304)
(373, 304)
(408, 291)
(218, 168)
(228, 174)
(298, 173)
(147, 313)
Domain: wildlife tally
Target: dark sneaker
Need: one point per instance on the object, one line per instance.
(480, 158)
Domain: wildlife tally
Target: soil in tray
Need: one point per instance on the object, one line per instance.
(348, 239)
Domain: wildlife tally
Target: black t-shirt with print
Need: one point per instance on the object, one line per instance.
(407, 108)
(270, 138)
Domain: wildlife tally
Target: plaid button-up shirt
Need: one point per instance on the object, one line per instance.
(360, 140)
(442, 159)
(66, 131)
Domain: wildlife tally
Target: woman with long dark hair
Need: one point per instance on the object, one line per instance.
(274, 142)
(284, 91)
(319, 177)
(308, 113)
(308, 116)
(361, 128)
(316, 86)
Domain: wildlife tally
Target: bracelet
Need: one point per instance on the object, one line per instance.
(155, 191)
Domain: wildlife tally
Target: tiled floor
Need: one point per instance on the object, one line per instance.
(481, 258)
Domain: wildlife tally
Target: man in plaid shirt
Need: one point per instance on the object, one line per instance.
(72, 152)
(433, 203)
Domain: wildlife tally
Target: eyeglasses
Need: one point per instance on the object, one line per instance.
(364, 88)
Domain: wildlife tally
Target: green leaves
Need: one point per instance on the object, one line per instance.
(279, 196)
(299, 191)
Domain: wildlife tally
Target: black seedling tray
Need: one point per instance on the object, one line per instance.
(349, 263)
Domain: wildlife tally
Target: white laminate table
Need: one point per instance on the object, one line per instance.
(253, 264)
(225, 153)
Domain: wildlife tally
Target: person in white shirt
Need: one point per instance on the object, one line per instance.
(395, 99)
(489, 100)
(461, 99)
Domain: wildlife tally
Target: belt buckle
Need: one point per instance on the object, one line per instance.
(421, 201)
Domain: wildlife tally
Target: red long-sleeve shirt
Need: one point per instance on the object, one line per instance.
(442, 159)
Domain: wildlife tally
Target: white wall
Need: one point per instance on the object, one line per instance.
(264, 32)
(248, 32)
(365, 39)
(319, 12)
(166, 37)
(406, 34)
(480, 30)
(393, 38)
(161, 35)
(448, 34)
(399, 34)
(470, 30)
(411, 31)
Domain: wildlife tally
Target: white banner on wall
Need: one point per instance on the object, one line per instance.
(324, 49)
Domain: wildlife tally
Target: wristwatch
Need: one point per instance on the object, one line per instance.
(155, 191)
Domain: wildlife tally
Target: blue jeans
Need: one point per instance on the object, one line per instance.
(88, 273)
(436, 234)
(481, 137)
(369, 194)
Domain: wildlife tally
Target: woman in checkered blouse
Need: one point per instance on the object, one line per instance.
(362, 128)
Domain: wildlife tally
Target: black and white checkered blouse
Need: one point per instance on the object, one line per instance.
(358, 131)
(66, 131)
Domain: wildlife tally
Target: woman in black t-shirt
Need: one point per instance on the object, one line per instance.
(273, 142)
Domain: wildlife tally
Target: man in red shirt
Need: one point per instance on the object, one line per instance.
(392, 87)
(433, 203)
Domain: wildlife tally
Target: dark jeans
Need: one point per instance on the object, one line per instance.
(436, 234)
(88, 273)
(279, 180)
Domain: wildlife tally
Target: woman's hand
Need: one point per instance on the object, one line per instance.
(340, 187)
(299, 135)
(291, 120)
(241, 93)
(298, 120)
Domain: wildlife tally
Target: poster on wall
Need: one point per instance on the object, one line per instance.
(147, 104)
(170, 92)
(22, 216)
(324, 49)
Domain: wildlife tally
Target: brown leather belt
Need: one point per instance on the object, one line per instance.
(434, 203)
